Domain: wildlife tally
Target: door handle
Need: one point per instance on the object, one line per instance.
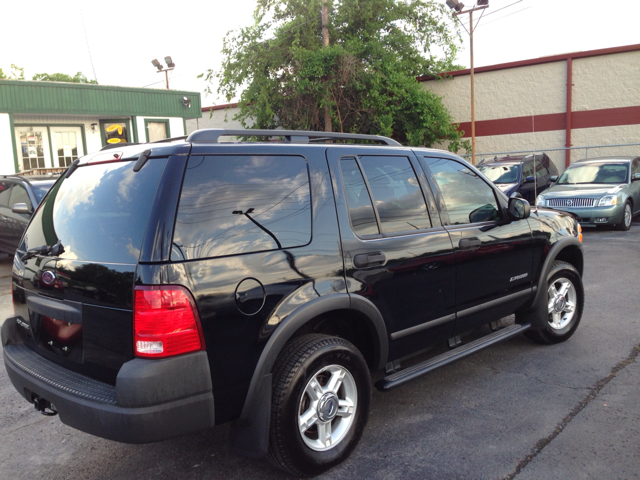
(470, 243)
(370, 259)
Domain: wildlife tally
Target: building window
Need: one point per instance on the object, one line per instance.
(157, 130)
(115, 131)
(31, 149)
(66, 148)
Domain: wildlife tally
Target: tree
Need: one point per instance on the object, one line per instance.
(17, 73)
(62, 77)
(366, 76)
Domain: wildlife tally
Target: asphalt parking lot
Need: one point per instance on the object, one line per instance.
(518, 410)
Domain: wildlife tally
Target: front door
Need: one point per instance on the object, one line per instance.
(494, 256)
(32, 144)
(395, 254)
(67, 145)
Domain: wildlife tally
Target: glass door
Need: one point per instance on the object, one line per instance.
(67, 145)
(33, 147)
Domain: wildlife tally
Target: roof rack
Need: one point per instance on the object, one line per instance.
(17, 176)
(290, 136)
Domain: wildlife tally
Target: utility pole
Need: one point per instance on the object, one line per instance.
(459, 8)
(325, 43)
(473, 93)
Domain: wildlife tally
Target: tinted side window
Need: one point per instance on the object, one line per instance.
(527, 170)
(396, 193)
(635, 168)
(363, 220)
(467, 197)
(19, 195)
(240, 204)
(5, 191)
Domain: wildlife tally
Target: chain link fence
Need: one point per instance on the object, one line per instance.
(558, 155)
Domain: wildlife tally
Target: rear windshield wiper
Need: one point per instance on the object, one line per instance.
(32, 252)
(56, 250)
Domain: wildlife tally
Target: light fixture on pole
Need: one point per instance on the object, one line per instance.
(170, 66)
(459, 8)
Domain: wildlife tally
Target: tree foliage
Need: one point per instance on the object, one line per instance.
(284, 77)
(62, 77)
(17, 73)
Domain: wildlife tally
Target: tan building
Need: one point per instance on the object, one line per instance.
(576, 99)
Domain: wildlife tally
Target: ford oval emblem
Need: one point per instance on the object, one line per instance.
(48, 277)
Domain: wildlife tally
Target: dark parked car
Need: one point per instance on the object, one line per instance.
(16, 190)
(599, 191)
(527, 175)
(166, 288)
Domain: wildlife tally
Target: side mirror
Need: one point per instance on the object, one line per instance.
(529, 179)
(553, 178)
(635, 176)
(21, 208)
(516, 195)
(519, 208)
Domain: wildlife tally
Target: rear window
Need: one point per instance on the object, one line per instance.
(99, 214)
(232, 204)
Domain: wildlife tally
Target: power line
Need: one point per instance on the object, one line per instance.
(496, 19)
(510, 5)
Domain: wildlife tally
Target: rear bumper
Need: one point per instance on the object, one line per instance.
(152, 400)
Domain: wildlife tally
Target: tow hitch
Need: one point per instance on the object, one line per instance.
(43, 406)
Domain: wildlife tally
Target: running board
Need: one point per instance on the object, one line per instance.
(411, 373)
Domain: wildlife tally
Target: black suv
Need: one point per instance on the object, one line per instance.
(527, 175)
(271, 277)
(18, 197)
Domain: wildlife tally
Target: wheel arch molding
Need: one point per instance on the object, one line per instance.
(567, 249)
(249, 434)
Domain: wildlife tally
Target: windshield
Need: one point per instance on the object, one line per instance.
(501, 173)
(40, 189)
(595, 173)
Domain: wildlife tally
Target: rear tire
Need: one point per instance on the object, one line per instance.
(565, 303)
(320, 407)
(627, 217)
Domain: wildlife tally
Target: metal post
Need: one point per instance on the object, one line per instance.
(325, 43)
(473, 98)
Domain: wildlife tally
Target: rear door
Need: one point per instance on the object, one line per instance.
(396, 254)
(493, 255)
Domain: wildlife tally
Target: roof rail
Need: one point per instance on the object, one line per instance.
(211, 135)
(17, 176)
(171, 139)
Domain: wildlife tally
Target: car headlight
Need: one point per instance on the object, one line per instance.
(540, 201)
(608, 200)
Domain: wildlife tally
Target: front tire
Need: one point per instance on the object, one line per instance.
(320, 407)
(565, 303)
(627, 217)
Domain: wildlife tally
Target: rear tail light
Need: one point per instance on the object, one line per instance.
(165, 322)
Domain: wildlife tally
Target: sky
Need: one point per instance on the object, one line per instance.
(116, 41)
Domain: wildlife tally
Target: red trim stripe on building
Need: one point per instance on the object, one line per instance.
(607, 117)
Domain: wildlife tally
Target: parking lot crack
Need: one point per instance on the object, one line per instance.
(593, 393)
